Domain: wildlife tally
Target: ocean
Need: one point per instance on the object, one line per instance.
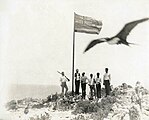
(20, 91)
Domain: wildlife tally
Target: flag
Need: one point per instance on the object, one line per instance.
(86, 24)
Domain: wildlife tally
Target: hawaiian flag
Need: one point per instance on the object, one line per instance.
(86, 24)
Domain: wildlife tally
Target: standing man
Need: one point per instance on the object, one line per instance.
(83, 85)
(63, 81)
(106, 81)
(98, 85)
(77, 81)
(91, 83)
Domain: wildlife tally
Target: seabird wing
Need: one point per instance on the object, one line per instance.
(93, 43)
(128, 27)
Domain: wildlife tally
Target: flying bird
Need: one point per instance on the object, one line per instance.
(120, 38)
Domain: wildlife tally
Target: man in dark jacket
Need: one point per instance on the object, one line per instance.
(77, 82)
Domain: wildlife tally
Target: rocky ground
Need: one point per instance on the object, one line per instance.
(124, 103)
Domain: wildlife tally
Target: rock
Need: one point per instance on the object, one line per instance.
(12, 105)
(134, 113)
(26, 110)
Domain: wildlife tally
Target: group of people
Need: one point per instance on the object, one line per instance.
(94, 83)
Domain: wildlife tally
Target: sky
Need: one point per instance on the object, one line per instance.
(36, 41)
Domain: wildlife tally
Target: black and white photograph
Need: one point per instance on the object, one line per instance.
(74, 60)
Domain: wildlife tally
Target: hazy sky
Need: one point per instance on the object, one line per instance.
(36, 40)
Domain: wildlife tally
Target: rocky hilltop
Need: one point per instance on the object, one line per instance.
(124, 103)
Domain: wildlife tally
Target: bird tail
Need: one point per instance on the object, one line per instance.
(132, 44)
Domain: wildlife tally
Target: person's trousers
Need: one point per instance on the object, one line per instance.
(98, 88)
(64, 85)
(92, 90)
(107, 87)
(83, 86)
(77, 86)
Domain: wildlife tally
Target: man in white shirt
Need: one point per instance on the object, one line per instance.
(91, 83)
(63, 81)
(106, 81)
(98, 85)
(77, 82)
(83, 85)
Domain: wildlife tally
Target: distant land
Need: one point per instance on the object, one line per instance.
(20, 91)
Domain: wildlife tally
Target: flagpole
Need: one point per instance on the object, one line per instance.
(73, 57)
